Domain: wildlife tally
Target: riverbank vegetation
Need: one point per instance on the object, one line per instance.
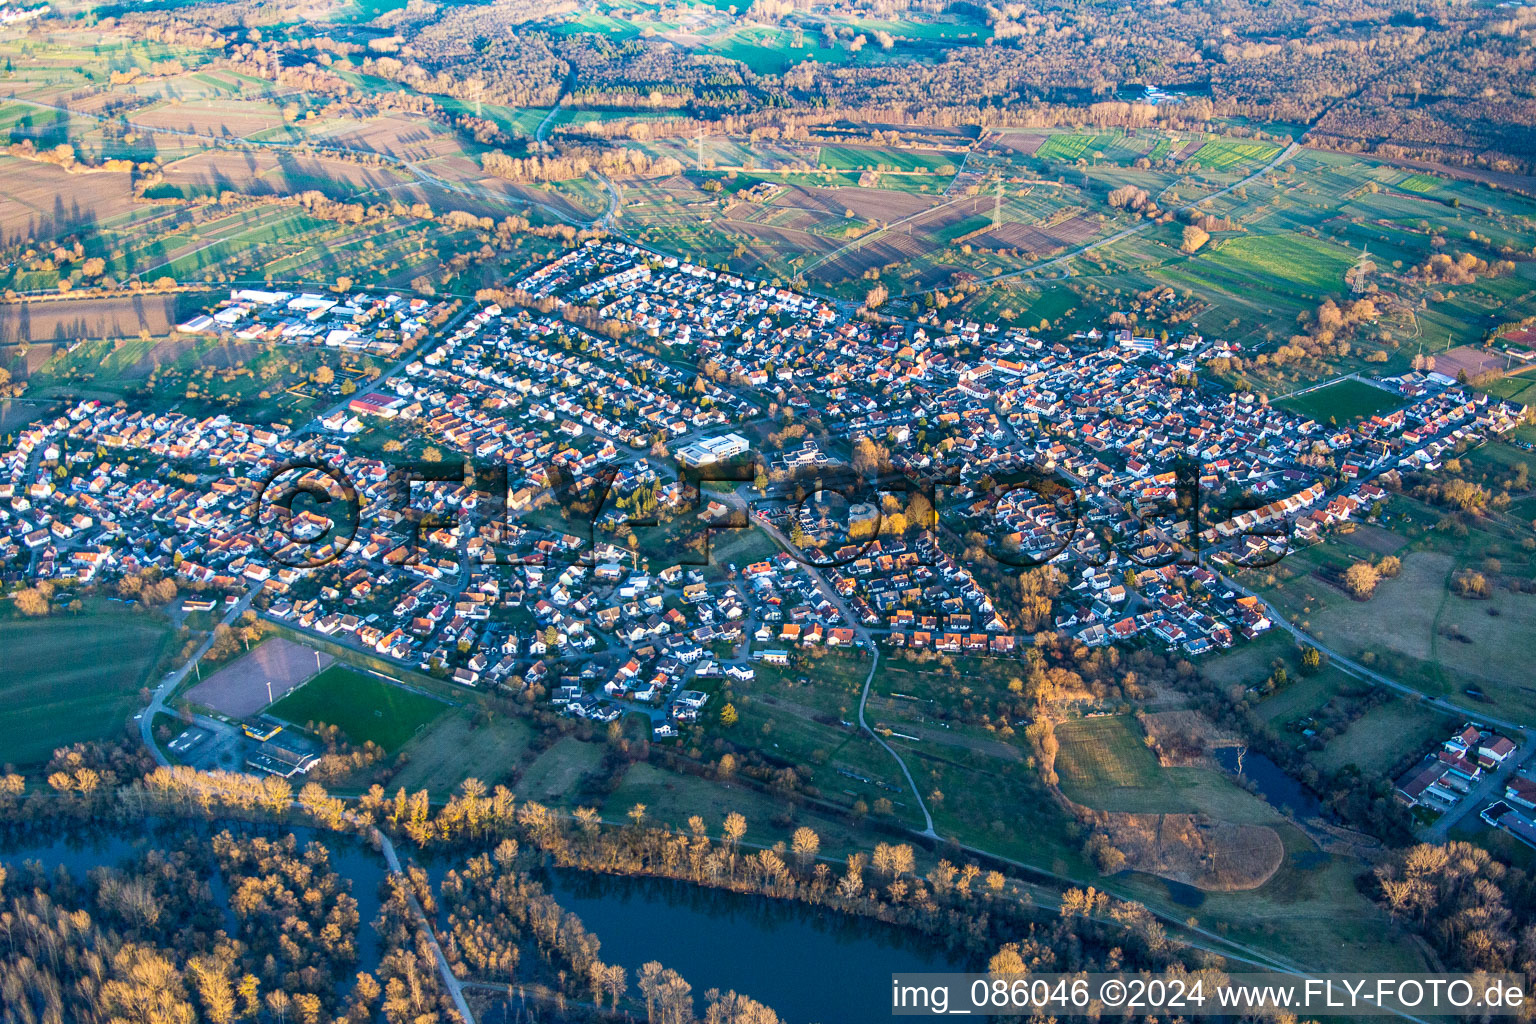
(228, 921)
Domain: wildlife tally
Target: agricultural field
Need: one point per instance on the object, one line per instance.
(860, 158)
(769, 51)
(72, 679)
(598, 24)
(1224, 155)
(1297, 228)
(41, 201)
(1420, 183)
(1070, 148)
(52, 321)
(364, 707)
(1282, 263)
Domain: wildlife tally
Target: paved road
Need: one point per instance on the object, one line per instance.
(454, 986)
(173, 679)
(1485, 792)
(314, 426)
(831, 594)
(543, 129)
(1492, 784)
(157, 705)
(1359, 671)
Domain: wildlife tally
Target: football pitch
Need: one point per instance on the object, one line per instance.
(1342, 401)
(364, 707)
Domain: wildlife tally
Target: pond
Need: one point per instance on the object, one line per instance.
(809, 965)
(1184, 894)
(1270, 780)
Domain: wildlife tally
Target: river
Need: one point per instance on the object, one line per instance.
(812, 966)
(809, 965)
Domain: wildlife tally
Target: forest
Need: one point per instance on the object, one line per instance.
(1450, 83)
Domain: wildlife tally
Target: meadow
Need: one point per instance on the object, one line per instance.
(1225, 154)
(857, 158)
(1385, 736)
(1439, 643)
(460, 745)
(1290, 263)
(71, 679)
(1104, 764)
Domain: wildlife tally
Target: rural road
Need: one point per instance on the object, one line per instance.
(157, 705)
(831, 594)
(452, 984)
(314, 425)
(1359, 671)
(864, 699)
(543, 129)
(174, 679)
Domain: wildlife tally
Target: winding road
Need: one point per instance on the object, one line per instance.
(1359, 671)
(174, 679)
(868, 640)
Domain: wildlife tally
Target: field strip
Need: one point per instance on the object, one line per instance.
(1284, 154)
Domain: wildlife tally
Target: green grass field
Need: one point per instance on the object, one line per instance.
(1342, 402)
(457, 747)
(1284, 262)
(1298, 698)
(552, 776)
(1437, 643)
(1067, 148)
(672, 798)
(768, 51)
(599, 24)
(859, 158)
(1420, 183)
(1099, 753)
(364, 707)
(1104, 764)
(68, 680)
(1385, 735)
(1224, 154)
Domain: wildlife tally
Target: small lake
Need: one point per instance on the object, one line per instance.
(1270, 780)
(810, 966)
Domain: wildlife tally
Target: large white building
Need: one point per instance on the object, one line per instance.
(714, 449)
